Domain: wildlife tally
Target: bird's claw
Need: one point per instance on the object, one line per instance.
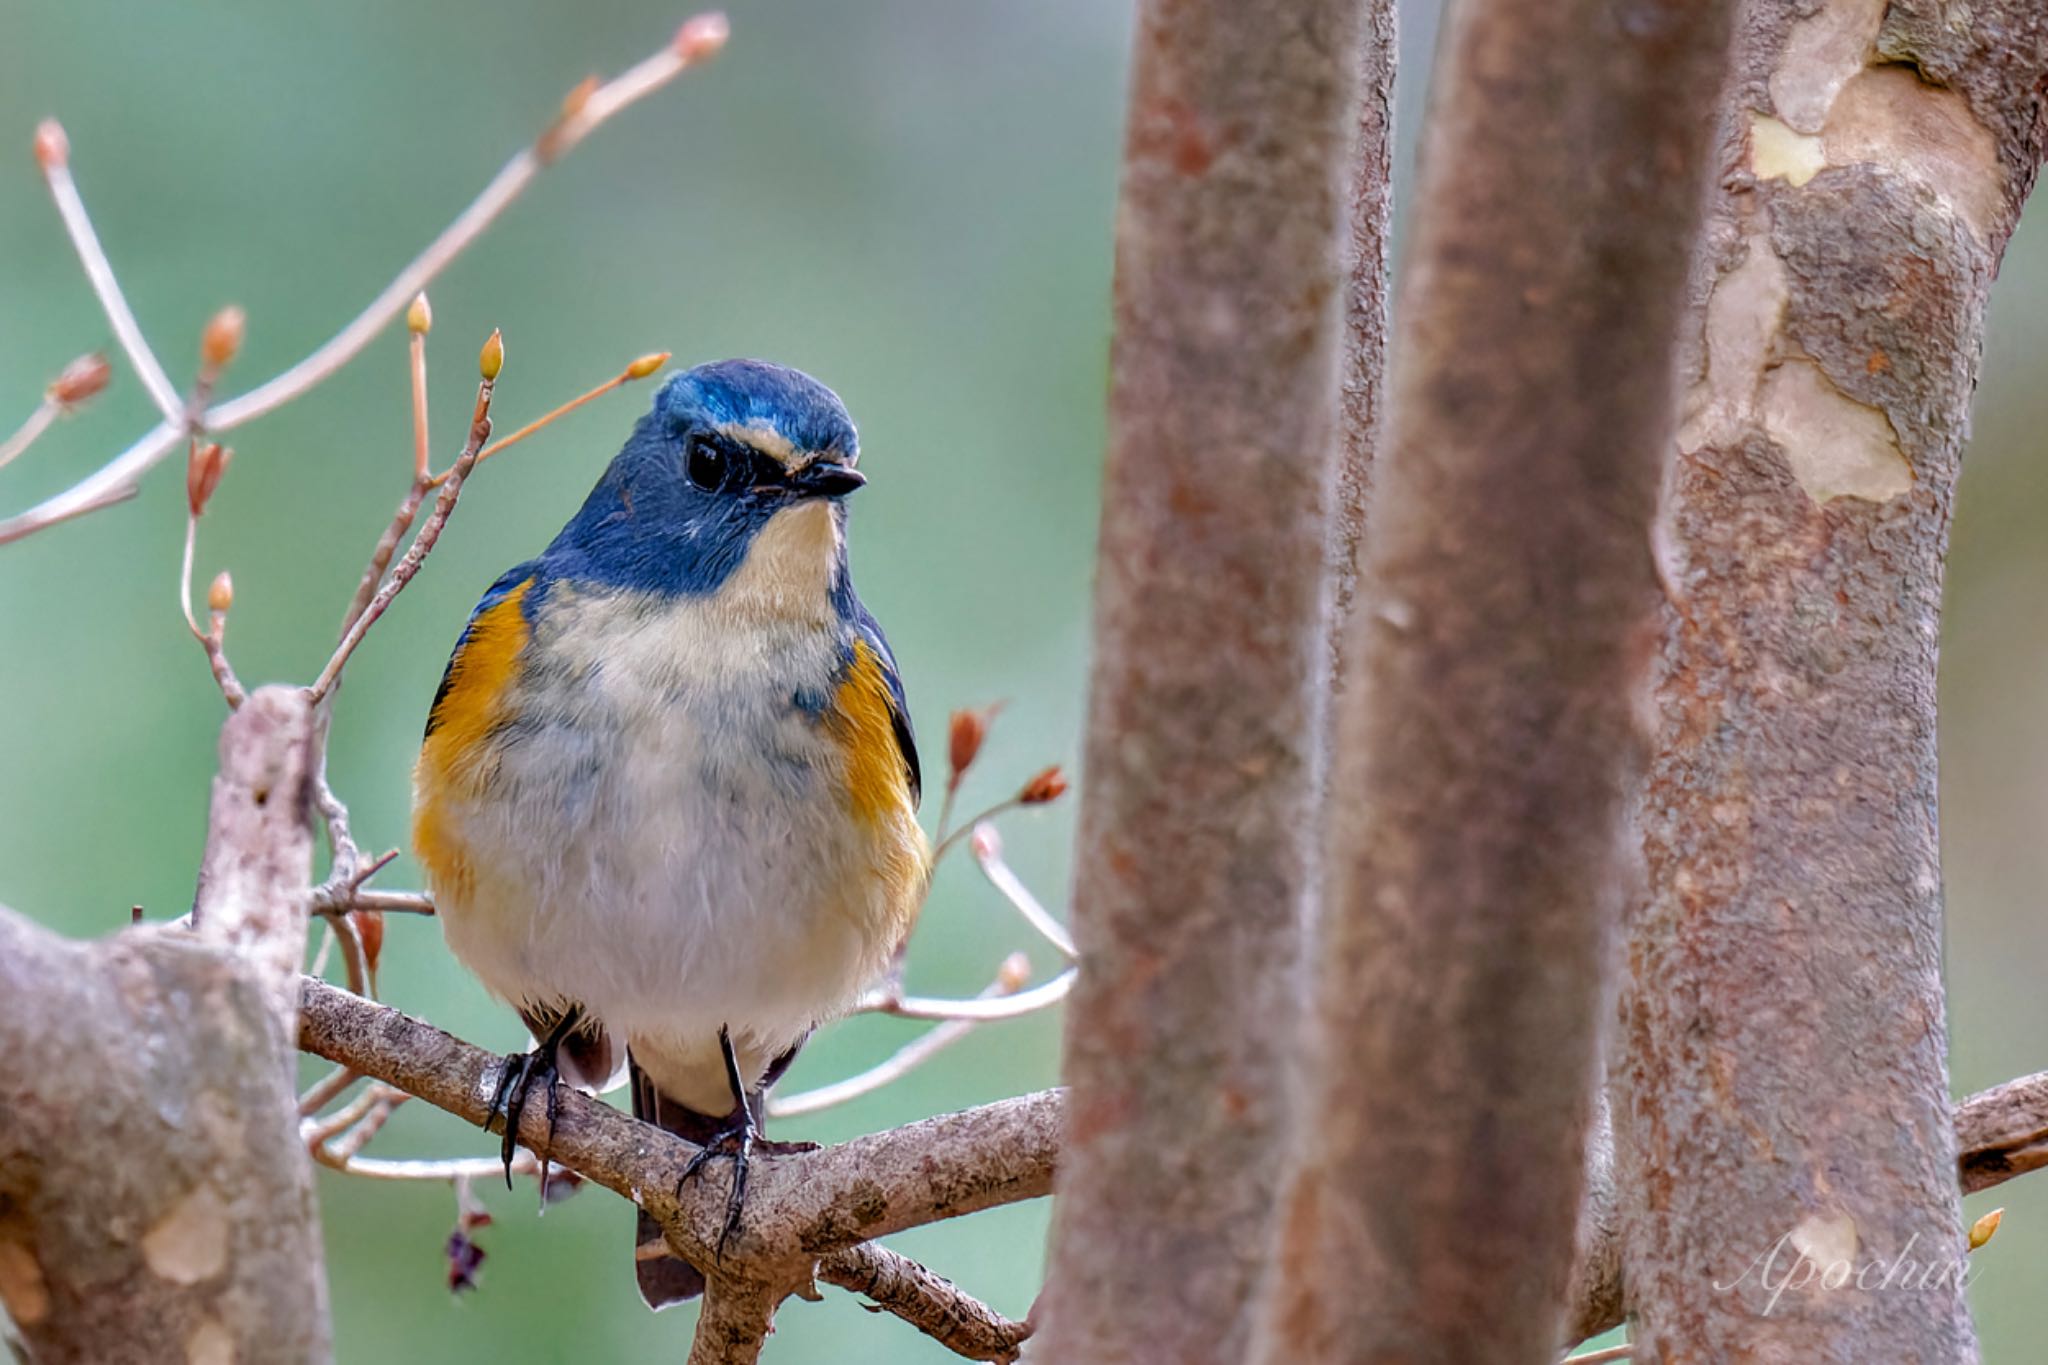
(516, 1080)
(737, 1142)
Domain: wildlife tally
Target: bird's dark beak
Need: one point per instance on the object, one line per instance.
(826, 479)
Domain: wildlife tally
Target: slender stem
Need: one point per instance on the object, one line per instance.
(632, 85)
(979, 1010)
(100, 273)
(117, 479)
(422, 546)
(400, 902)
(1015, 972)
(1605, 1353)
(988, 856)
(185, 578)
(421, 452)
(945, 845)
(29, 431)
(324, 1091)
(537, 423)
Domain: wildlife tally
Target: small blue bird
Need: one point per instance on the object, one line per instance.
(667, 798)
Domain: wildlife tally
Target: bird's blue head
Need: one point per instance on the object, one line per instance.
(729, 450)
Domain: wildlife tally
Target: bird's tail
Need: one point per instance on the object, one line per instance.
(665, 1277)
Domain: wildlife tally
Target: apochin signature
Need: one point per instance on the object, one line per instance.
(1790, 1265)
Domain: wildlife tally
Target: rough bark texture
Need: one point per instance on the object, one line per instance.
(1476, 857)
(2001, 1133)
(1367, 251)
(155, 1200)
(799, 1207)
(1195, 849)
(1782, 1080)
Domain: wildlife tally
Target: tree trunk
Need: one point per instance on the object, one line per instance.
(1782, 1099)
(1476, 853)
(1195, 857)
(155, 1200)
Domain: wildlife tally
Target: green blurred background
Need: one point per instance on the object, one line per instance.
(911, 198)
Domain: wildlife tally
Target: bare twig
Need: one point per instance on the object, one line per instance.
(401, 902)
(987, 846)
(423, 543)
(53, 154)
(1606, 1353)
(698, 40)
(26, 434)
(328, 1088)
(980, 1010)
(1015, 971)
(737, 1317)
(639, 369)
(799, 1208)
(898, 1285)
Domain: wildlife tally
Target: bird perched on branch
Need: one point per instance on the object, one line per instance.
(667, 797)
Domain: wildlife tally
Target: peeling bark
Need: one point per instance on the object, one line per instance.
(1195, 853)
(1476, 854)
(1783, 1070)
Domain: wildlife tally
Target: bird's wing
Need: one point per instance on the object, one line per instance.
(485, 650)
(867, 631)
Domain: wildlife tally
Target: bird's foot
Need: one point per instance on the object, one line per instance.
(737, 1141)
(521, 1072)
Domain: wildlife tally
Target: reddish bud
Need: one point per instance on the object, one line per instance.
(53, 148)
(370, 929)
(222, 339)
(964, 737)
(573, 102)
(419, 317)
(1014, 974)
(81, 379)
(492, 358)
(220, 594)
(702, 37)
(646, 365)
(1049, 785)
(203, 469)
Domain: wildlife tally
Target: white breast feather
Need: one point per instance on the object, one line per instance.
(667, 839)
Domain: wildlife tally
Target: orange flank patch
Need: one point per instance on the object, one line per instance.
(877, 780)
(455, 757)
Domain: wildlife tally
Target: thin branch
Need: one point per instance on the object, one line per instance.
(422, 544)
(1607, 1353)
(979, 1010)
(1015, 971)
(737, 1316)
(328, 1088)
(446, 1171)
(401, 902)
(698, 40)
(933, 1305)
(26, 434)
(639, 369)
(947, 841)
(987, 847)
(800, 1207)
(53, 155)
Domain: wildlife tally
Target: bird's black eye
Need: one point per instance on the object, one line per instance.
(705, 464)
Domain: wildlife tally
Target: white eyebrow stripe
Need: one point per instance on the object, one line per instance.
(767, 440)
